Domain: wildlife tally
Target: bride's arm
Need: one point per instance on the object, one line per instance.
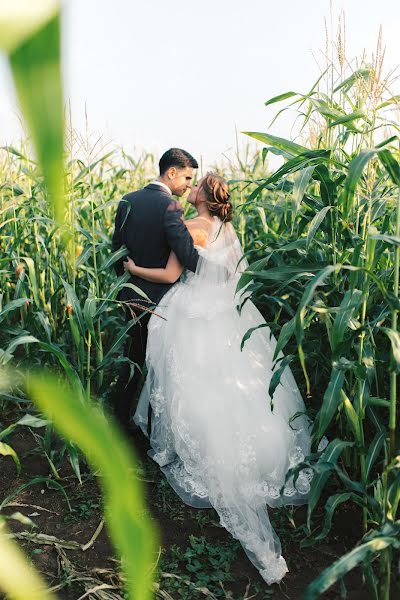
(170, 274)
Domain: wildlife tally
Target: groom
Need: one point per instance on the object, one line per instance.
(149, 222)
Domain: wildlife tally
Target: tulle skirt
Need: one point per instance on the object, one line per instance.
(213, 431)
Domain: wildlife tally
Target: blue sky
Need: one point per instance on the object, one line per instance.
(157, 74)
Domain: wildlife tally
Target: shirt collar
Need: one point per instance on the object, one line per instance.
(162, 185)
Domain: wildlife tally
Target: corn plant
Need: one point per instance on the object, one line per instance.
(329, 268)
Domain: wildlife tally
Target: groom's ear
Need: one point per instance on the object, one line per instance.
(171, 172)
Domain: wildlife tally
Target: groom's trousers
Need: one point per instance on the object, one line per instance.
(125, 394)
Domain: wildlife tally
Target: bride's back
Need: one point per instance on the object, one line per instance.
(199, 228)
(218, 243)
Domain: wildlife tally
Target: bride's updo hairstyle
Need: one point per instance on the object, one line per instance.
(217, 194)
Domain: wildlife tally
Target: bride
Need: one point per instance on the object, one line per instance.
(213, 432)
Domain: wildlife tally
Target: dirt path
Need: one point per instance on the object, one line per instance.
(195, 548)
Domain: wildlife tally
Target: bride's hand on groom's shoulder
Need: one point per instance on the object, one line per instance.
(129, 265)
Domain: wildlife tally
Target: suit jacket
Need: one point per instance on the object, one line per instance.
(149, 222)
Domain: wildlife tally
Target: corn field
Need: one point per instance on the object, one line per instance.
(322, 236)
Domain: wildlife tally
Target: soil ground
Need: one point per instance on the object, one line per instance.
(196, 551)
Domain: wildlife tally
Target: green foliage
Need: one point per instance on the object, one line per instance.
(202, 565)
(330, 261)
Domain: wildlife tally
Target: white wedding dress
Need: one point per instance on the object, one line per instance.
(213, 432)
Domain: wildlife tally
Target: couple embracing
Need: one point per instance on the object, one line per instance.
(205, 404)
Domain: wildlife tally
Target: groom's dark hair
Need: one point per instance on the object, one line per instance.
(176, 157)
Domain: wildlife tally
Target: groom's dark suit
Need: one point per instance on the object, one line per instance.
(149, 223)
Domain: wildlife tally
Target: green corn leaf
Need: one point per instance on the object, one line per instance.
(348, 83)
(77, 336)
(114, 202)
(86, 252)
(375, 418)
(330, 507)
(111, 295)
(22, 19)
(307, 297)
(13, 305)
(351, 301)
(7, 431)
(32, 421)
(327, 111)
(316, 281)
(346, 563)
(249, 333)
(328, 186)
(374, 451)
(89, 311)
(245, 278)
(43, 319)
(118, 341)
(34, 481)
(113, 258)
(315, 224)
(88, 169)
(284, 336)
(354, 486)
(391, 165)
(330, 403)
(73, 457)
(326, 465)
(296, 245)
(394, 338)
(357, 166)
(374, 401)
(64, 362)
(276, 377)
(6, 450)
(394, 494)
(352, 418)
(11, 149)
(277, 142)
(136, 289)
(389, 239)
(86, 425)
(35, 64)
(17, 576)
(300, 183)
(32, 278)
(293, 165)
(389, 102)
(349, 118)
(284, 272)
(355, 171)
(72, 299)
(21, 339)
(279, 98)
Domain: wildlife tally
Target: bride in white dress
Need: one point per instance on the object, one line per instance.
(213, 432)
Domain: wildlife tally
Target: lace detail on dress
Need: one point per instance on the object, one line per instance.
(175, 369)
(186, 480)
(275, 571)
(157, 401)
